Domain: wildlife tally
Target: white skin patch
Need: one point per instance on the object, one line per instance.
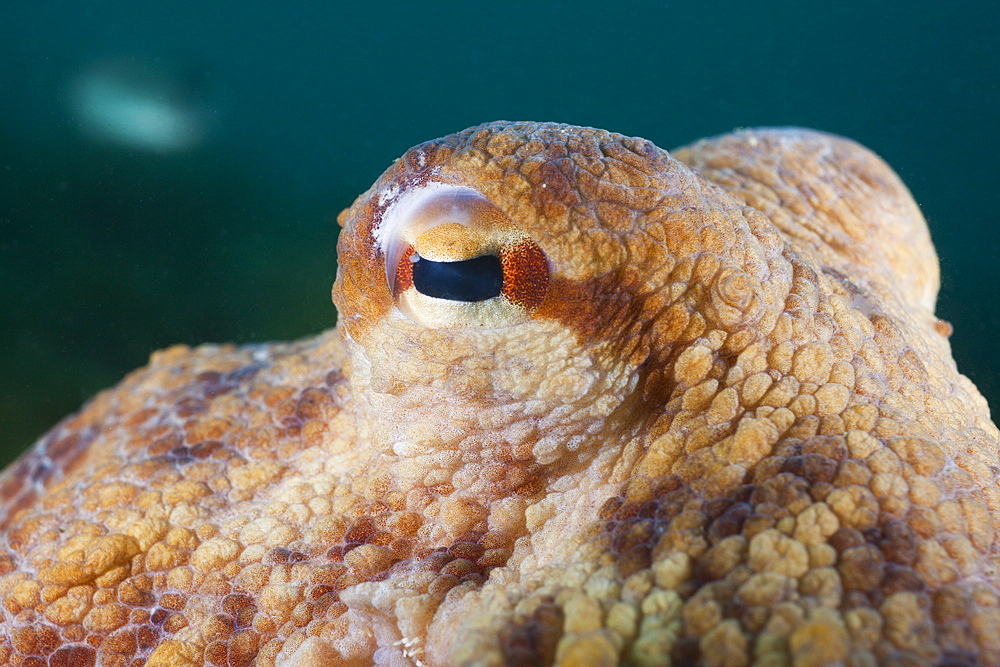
(388, 194)
(398, 228)
(401, 210)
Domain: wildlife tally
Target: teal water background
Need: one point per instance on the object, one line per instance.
(112, 249)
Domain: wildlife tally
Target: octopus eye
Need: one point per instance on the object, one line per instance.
(476, 279)
(453, 259)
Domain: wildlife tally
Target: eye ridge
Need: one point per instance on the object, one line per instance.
(470, 280)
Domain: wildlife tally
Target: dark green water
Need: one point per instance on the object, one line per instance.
(226, 233)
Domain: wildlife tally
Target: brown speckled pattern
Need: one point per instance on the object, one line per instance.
(731, 434)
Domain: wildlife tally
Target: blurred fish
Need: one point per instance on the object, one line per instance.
(144, 104)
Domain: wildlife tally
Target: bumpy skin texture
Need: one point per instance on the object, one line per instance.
(731, 433)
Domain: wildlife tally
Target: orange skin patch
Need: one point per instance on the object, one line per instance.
(526, 275)
(404, 273)
(711, 419)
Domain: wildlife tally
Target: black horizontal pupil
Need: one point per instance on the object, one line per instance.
(475, 279)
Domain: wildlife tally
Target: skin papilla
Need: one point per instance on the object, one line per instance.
(696, 409)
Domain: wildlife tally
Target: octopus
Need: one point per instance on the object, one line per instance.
(586, 403)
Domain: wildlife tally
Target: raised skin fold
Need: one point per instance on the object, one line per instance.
(731, 432)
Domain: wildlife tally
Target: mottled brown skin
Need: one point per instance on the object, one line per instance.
(731, 433)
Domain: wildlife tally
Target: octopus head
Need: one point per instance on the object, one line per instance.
(530, 285)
